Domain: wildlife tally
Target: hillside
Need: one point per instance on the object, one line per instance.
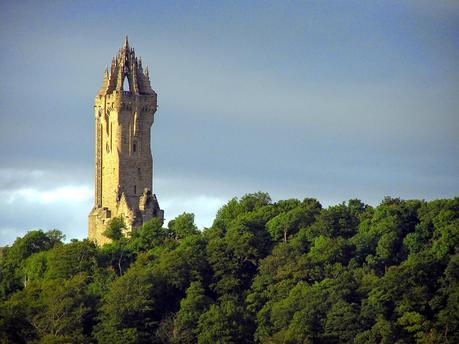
(266, 272)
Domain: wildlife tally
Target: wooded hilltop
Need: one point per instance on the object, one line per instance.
(265, 272)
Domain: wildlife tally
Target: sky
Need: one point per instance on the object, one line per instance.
(328, 99)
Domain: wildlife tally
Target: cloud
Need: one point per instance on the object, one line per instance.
(31, 199)
(63, 194)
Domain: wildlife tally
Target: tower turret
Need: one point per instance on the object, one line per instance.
(124, 114)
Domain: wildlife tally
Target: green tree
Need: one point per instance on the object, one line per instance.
(65, 261)
(14, 257)
(191, 308)
(57, 310)
(446, 303)
(127, 314)
(65, 309)
(304, 313)
(230, 212)
(182, 226)
(115, 228)
(225, 323)
(283, 272)
(34, 267)
(148, 236)
(235, 256)
(286, 224)
(342, 323)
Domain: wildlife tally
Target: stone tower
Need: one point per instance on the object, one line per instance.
(124, 109)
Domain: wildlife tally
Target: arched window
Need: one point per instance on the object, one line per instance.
(126, 86)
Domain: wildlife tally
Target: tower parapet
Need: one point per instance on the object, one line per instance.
(124, 114)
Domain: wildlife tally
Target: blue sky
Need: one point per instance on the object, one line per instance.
(326, 99)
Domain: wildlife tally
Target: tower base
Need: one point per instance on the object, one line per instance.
(133, 216)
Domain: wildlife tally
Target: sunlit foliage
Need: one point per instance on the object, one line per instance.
(265, 272)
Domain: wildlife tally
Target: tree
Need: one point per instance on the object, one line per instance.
(14, 325)
(128, 309)
(58, 310)
(446, 303)
(14, 257)
(65, 261)
(253, 201)
(235, 256)
(230, 212)
(289, 222)
(177, 268)
(283, 272)
(34, 267)
(342, 323)
(224, 323)
(148, 236)
(300, 317)
(182, 226)
(191, 308)
(64, 311)
(115, 228)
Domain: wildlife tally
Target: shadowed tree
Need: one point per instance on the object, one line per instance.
(191, 308)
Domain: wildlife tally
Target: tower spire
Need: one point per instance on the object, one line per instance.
(126, 65)
(123, 120)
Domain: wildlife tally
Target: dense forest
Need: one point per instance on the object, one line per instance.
(265, 272)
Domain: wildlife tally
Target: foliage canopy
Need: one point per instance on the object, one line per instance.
(289, 271)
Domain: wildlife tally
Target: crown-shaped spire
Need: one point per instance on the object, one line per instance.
(126, 67)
